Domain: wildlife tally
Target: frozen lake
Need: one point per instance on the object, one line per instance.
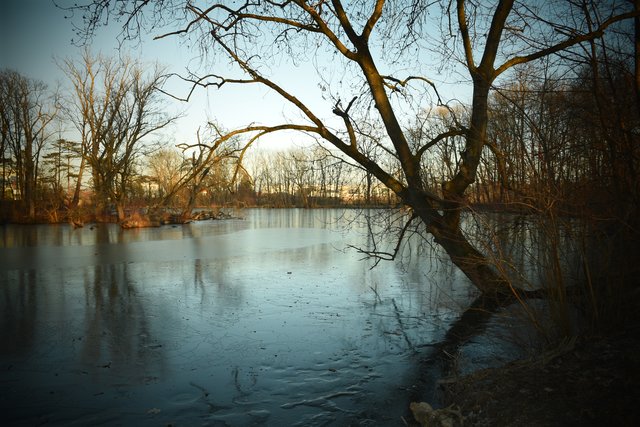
(266, 320)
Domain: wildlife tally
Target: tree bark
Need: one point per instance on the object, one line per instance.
(76, 192)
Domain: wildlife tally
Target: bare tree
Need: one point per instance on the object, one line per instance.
(25, 114)
(489, 40)
(116, 108)
(259, 169)
(166, 167)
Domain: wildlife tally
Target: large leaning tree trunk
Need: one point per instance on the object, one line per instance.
(357, 38)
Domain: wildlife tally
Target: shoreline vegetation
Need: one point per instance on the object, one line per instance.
(150, 216)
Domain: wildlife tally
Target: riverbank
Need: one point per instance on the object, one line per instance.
(589, 381)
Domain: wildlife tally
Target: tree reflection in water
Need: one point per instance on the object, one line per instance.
(117, 333)
(18, 311)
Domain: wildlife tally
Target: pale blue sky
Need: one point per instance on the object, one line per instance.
(33, 32)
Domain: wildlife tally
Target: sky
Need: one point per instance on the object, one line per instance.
(34, 32)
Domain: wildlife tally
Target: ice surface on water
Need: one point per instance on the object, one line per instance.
(263, 321)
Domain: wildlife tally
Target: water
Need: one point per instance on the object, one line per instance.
(267, 320)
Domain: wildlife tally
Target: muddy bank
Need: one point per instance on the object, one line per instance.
(592, 380)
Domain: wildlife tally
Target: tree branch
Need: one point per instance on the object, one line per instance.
(434, 141)
(466, 39)
(324, 29)
(494, 37)
(345, 23)
(404, 83)
(347, 121)
(383, 255)
(373, 19)
(571, 41)
(195, 83)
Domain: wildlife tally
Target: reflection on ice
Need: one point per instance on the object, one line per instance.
(259, 321)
